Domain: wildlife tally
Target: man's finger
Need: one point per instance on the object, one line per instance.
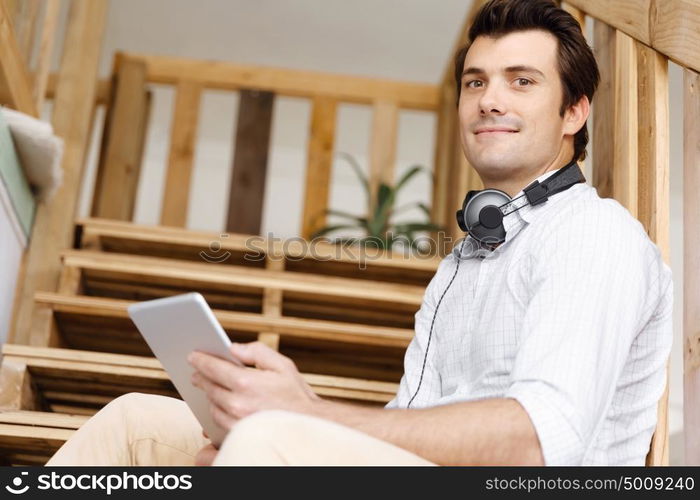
(262, 356)
(221, 371)
(206, 455)
(216, 394)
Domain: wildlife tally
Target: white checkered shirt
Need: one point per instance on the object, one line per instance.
(570, 316)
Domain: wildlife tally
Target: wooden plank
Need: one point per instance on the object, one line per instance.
(625, 126)
(653, 139)
(182, 143)
(445, 135)
(675, 31)
(120, 160)
(316, 330)
(321, 287)
(382, 152)
(102, 94)
(249, 169)
(604, 109)
(14, 76)
(272, 303)
(42, 419)
(668, 26)
(104, 368)
(319, 164)
(691, 266)
(72, 112)
(628, 16)
(25, 21)
(287, 82)
(46, 44)
(292, 249)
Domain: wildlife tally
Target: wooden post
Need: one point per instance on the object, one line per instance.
(72, 111)
(272, 301)
(604, 109)
(120, 159)
(14, 76)
(382, 153)
(46, 42)
(182, 143)
(319, 164)
(691, 265)
(247, 192)
(444, 142)
(625, 125)
(653, 189)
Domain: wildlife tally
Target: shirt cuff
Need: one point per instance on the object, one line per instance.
(559, 441)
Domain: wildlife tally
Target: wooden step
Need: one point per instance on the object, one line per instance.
(32, 437)
(326, 347)
(64, 377)
(239, 288)
(251, 251)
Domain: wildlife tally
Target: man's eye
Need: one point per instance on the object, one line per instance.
(472, 84)
(523, 82)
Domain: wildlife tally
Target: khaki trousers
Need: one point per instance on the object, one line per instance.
(144, 429)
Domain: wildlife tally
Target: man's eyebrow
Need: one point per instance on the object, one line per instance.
(521, 68)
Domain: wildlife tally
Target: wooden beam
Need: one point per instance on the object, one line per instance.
(444, 143)
(247, 191)
(382, 152)
(691, 266)
(653, 138)
(14, 76)
(46, 44)
(625, 124)
(604, 109)
(25, 21)
(72, 112)
(653, 189)
(668, 26)
(287, 82)
(182, 144)
(120, 160)
(319, 165)
(272, 303)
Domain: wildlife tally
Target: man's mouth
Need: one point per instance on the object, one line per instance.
(494, 131)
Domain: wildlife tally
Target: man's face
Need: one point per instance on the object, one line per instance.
(509, 104)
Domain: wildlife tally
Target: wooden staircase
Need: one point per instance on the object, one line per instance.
(345, 322)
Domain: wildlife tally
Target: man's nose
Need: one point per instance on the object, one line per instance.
(491, 102)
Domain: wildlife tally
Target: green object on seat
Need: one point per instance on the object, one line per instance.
(12, 176)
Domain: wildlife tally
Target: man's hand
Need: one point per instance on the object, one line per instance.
(236, 392)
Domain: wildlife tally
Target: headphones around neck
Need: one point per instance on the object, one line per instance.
(482, 216)
(483, 211)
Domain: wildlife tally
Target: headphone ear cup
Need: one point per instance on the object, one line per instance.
(461, 222)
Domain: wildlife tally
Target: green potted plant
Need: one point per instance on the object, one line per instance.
(377, 224)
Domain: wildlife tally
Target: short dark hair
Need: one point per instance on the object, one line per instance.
(577, 65)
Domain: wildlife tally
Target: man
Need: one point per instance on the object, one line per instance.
(549, 349)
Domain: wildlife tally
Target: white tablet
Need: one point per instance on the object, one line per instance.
(173, 327)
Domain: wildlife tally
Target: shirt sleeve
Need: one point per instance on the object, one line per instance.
(590, 280)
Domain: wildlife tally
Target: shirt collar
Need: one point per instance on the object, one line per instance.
(513, 223)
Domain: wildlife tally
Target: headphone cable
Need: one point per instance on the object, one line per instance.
(432, 323)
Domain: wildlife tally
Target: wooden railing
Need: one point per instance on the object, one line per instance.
(123, 145)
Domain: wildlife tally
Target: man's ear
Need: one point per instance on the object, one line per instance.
(576, 116)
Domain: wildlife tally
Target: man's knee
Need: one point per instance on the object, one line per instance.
(265, 426)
